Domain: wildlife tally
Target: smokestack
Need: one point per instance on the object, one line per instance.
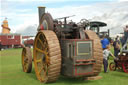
(41, 11)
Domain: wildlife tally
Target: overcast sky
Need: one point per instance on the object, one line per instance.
(23, 14)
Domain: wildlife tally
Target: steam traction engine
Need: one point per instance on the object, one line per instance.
(65, 48)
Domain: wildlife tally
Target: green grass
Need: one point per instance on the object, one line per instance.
(11, 73)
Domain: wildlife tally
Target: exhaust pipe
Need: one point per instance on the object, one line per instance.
(41, 11)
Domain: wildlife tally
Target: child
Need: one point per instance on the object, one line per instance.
(106, 54)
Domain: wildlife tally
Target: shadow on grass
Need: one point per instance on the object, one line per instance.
(67, 80)
(121, 74)
(61, 79)
(33, 74)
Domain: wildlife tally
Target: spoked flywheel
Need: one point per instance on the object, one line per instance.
(97, 51)
(46, 22)
(47, 56)
(26, 59)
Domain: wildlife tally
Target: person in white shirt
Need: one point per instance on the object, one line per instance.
(106, 54)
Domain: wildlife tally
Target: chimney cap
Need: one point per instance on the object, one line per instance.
(41, 7)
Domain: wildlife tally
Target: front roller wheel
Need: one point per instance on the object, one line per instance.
(26, 59)
(47, 56)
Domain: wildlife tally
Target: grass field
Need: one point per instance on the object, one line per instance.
(11, 73)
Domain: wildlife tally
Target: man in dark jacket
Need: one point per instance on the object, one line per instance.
(122, 41)
(116, 48)
(126, 33)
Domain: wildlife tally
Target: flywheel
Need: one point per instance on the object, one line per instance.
(47, 56)
(97, 51)
(26, 59)
(46, 22)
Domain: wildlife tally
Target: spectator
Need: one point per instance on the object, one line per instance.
(106, 54)
(122, 41)
(116, 45)
(104, 42)
(125, 33)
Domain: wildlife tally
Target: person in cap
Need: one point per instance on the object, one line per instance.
(125, 33)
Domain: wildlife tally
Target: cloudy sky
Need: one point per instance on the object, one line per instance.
(23, 14)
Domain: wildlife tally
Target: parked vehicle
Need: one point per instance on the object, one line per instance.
(63, 48)
(10, 41)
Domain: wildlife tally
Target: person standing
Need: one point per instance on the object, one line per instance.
(104, 42)
(125, 33)
(122, 41)
(116, 45)
(106, 53)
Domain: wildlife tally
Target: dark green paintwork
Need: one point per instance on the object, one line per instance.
(75, 50)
